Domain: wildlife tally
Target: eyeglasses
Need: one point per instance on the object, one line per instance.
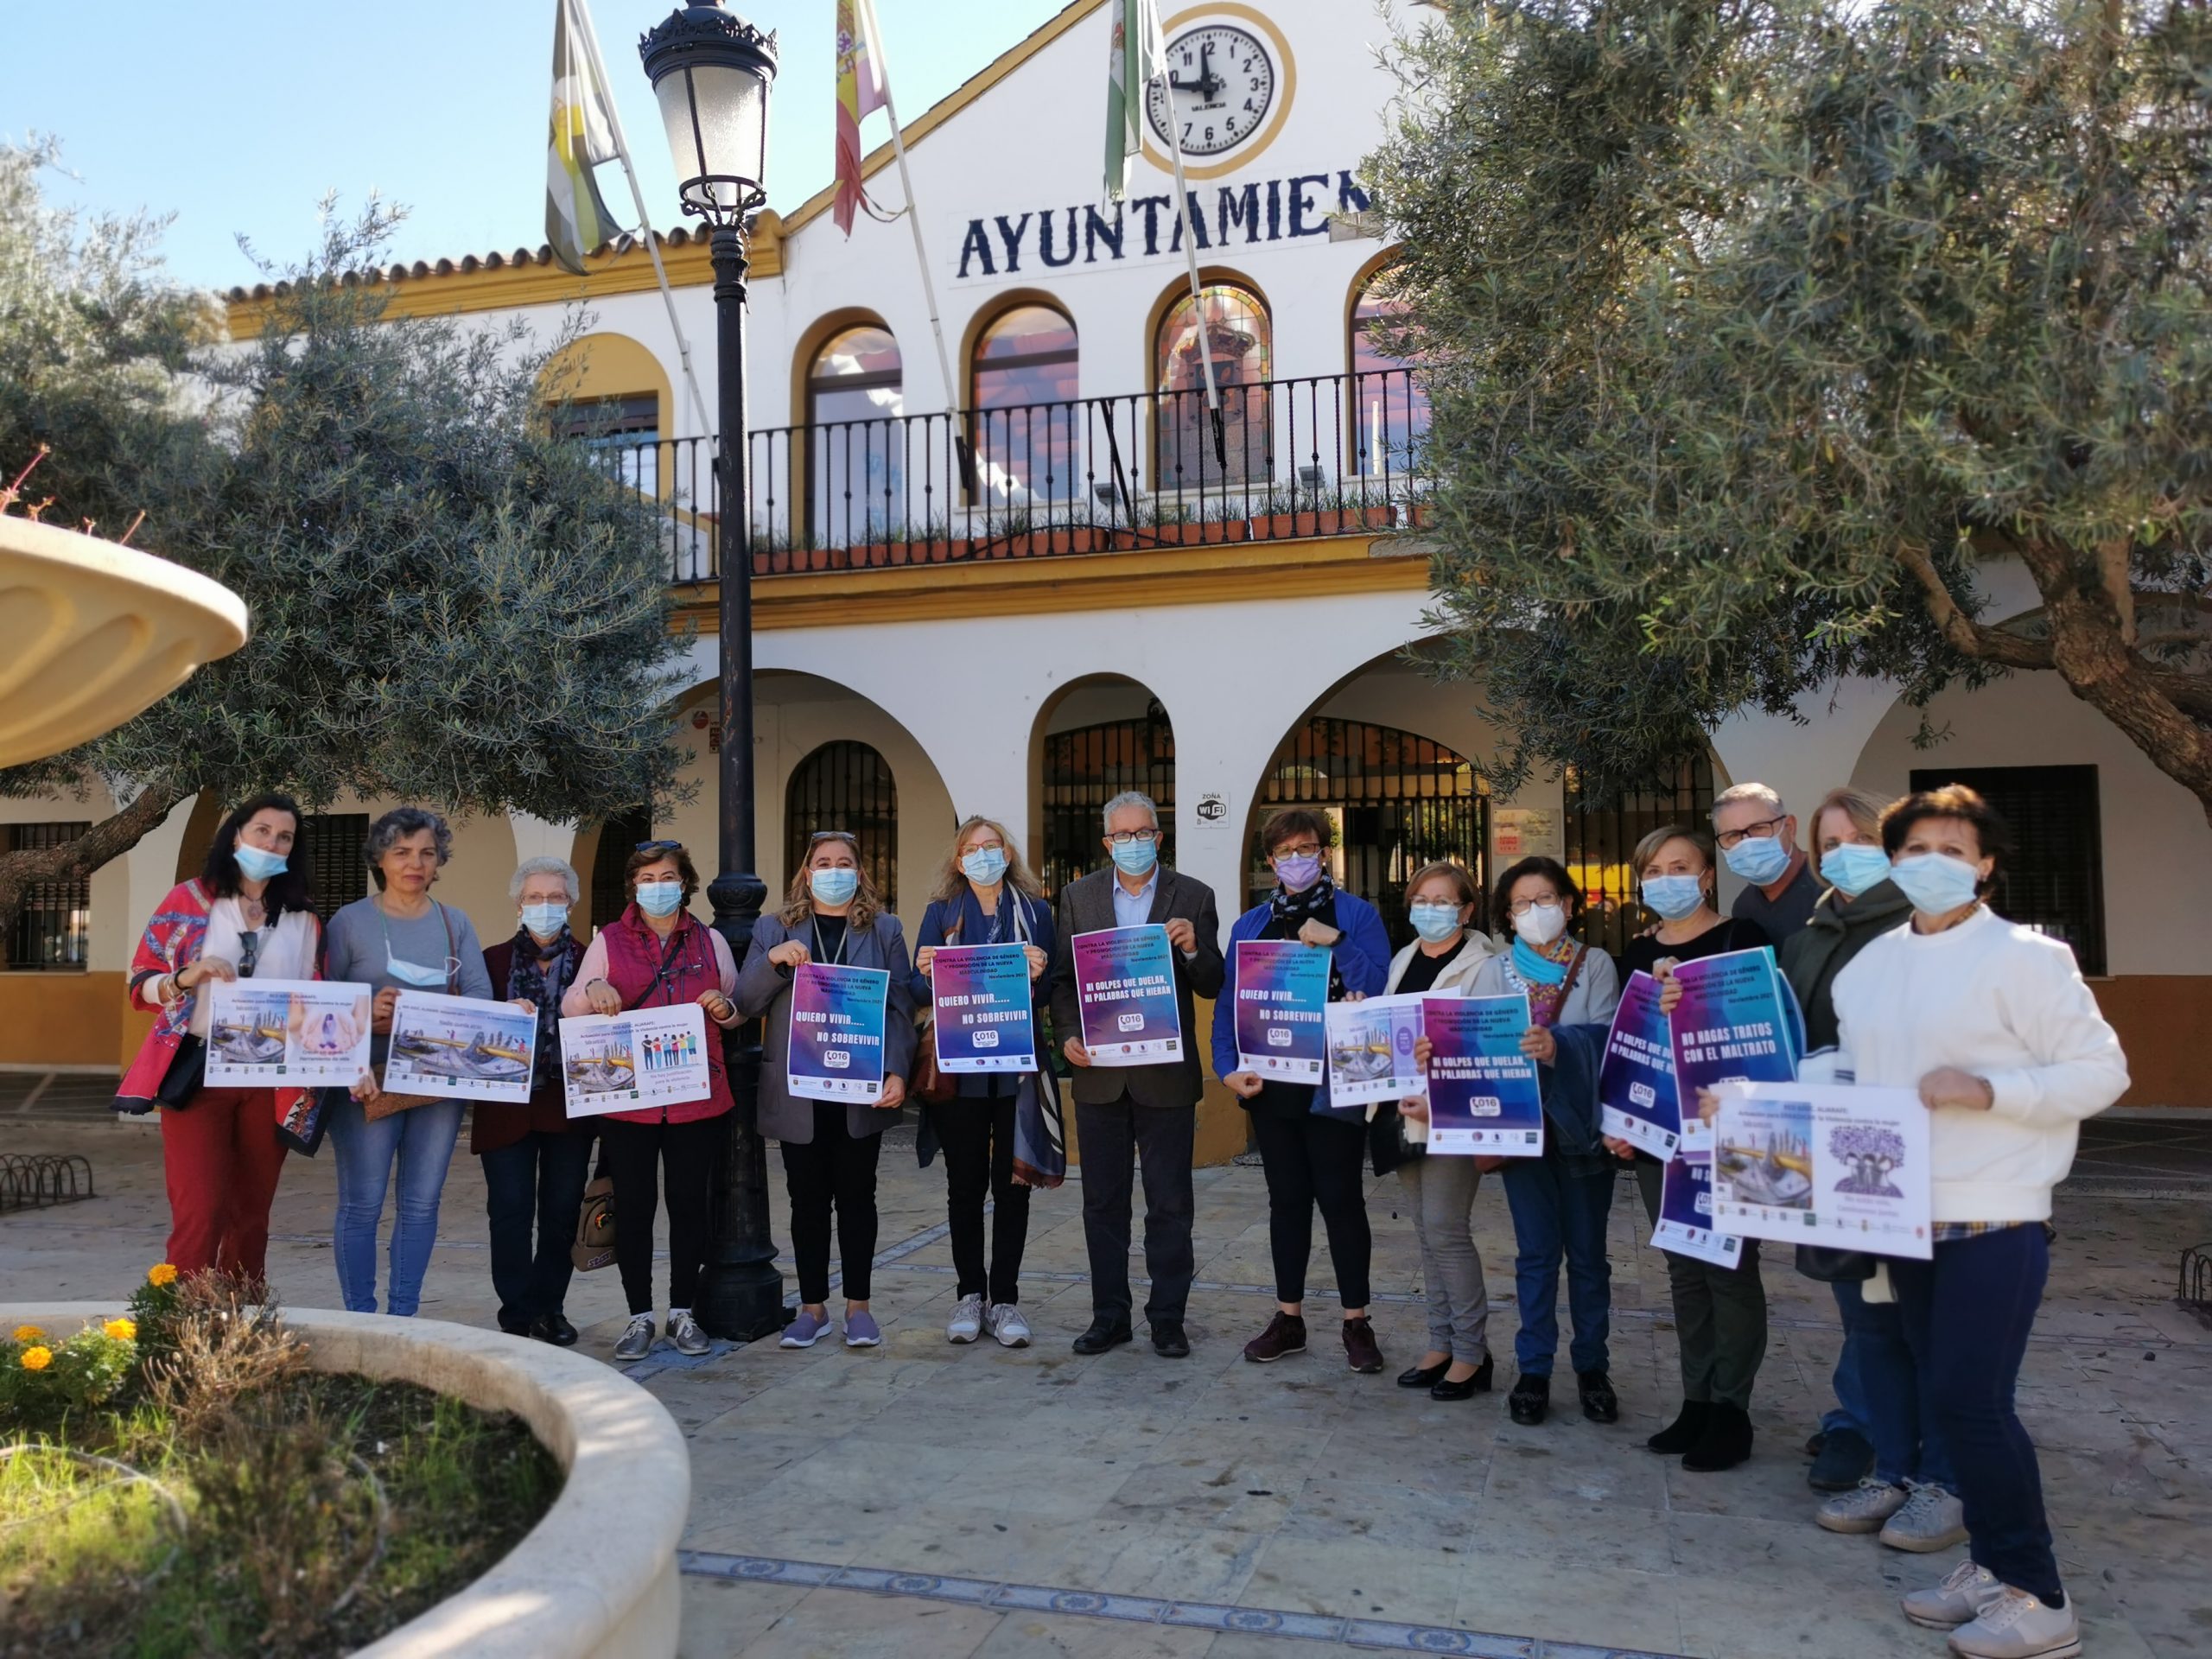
(1123, 837)
(1522, 906)
(659, 846)
(1761, 830)
(820, 835)
(1301, 850)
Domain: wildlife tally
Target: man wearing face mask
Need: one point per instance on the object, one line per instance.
(1757, 838)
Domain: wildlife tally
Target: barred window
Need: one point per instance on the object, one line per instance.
(846, 786)
(1601, 840)
(2056, 881)
(52, 931)
(618, 838)
(331, 844)
(1087, 767)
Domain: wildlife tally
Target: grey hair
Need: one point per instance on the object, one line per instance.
(531, 867)
(1760, 792)
(1129, 797)
(395, 826)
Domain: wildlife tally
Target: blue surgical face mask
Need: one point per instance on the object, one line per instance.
(544, 920)
(1854, 867)
(984, 866)
(833, 886)
(1135, 857)
(1434, 923)
(258, 866)
(414, 973)
(660, 898)
(1298, 872)
(1674, 896)
(1936, 882)
(1760, 859)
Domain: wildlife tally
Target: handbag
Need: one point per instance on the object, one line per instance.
(928, 1083)
(595, 1245)
(1825, 1264)
(387, 1104)
(182, 1081)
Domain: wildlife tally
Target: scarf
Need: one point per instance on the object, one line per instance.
(1542, 972)
(541, 973)
(1288, 912)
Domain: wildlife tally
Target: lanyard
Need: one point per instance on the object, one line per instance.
(844, 941)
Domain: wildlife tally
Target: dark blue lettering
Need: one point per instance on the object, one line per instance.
(1351, 198)
(1197, 226)
(1150, 206)
(1096, 229)
(1240, 210)
(1044, 239)
(1275, 210)
(1012, 235)
(1300, 207)
(978, 245)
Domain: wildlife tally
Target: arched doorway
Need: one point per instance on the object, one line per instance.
(1601, 840)
(1086, 767)
(618, 838)
(846, 786)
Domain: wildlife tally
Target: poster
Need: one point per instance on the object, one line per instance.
(979, 1008)
(458, 1048)
(1483, 1097)
(621, 1062)
(1371, 1051)
(1636, 1084)
(1282, 1009)
(298, 1032)
(1825, 1164)
(1125, 987)
(1685, 1217)
(1733, 1025)
(1518, 832)
(837, 1041)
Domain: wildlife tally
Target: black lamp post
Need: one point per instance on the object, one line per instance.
(711, 72)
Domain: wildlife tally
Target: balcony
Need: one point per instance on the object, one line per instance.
(1328, 456)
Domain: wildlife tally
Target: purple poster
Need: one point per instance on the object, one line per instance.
(1125, 987)
(837, 1046)
(979, 1008)
(1484, 1095)
(1685, 1217)
(1731, 1026)
(1282, 1009)
(1635, 1085)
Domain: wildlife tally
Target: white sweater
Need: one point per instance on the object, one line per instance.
(2007, 1004)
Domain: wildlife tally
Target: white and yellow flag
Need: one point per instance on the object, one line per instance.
(1137, 56)
(576, 216)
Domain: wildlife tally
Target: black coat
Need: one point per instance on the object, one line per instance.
(1811, 958)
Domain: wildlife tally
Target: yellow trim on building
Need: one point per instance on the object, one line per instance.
(61, 1019)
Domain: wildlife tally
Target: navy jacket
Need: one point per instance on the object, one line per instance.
(1362, 962)
(975, 928)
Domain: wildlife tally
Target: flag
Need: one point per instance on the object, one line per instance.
(1138, 53)
(577, 217)
(859, 94)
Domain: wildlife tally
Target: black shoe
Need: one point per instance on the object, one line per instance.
(1103, 1334)
(555, 1329)
(1726, 1443)
(1685, 1430)
(1168, 1340)
(1845, 1459)
(1600, 1403)
(1467, 1387)
(1423, 1376)
(1530, 1399)
(511, 1325)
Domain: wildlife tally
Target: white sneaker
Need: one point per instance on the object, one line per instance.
(1863, 1508)
(1956, 1601)
(2017, 1625)
(967, 1321)
(1008, 1326)
(1931, 1519)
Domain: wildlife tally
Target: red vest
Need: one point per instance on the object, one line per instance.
(634, 955)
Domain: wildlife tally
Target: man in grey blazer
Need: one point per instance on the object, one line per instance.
(1125, 1114)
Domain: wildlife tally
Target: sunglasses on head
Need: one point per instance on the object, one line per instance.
(657, 846)
(820, 835)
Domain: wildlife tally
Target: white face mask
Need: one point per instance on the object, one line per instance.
(1541, 924)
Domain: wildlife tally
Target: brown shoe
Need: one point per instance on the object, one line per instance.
(1286, 1334)
(1359, 1346)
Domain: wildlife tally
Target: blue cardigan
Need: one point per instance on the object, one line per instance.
(974, 929)
(1362, 962)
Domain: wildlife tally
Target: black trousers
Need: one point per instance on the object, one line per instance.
(1310, 1159)
(976, 1133)
(1110, 1140)
(833, 1170)
(540, 1178)
(638, 1154)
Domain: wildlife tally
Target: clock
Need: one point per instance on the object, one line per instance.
(1220, 83)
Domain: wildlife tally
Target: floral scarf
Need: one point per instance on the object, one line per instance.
(1546, 973)
(1288, 912)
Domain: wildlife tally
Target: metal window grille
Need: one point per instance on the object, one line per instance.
(2056, 881)
(1601, 840)
(332, 843)
(618, 838)
(1084, 769)
(846, 786)
(53, 931)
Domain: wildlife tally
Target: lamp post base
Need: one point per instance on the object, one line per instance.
(740, 1295)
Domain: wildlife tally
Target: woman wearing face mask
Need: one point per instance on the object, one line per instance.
(534, 1161)
(831, 914)
(657, 955)
(985, 895)
(249, 912)
(1311, 1155)
(397, 938)
(1992, 1025)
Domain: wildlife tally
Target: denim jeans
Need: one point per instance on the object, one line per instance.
(421, 1141)
(1894, 1414)
(540, 1178)
(1850, 1409)
(1560, 1214)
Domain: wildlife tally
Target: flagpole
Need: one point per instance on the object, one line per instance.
(906, 184)
(1190, 241)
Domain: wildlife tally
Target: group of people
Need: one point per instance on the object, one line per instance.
(1905, 977)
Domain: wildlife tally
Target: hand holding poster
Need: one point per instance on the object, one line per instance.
(1733, 1025)
(1685, 1217)
(1125, 987)
(1825, 1164)
(296, 1033)
(1636, 1084)
(621, 1062)
(1484, 1095)
(1371, 1051)
(979, 1008)
(1282, 1007)
(836, 1037)
(458, 1048)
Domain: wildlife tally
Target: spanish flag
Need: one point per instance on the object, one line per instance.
(577, 217)
(860, 94)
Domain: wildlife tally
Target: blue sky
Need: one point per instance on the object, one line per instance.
(240, 116)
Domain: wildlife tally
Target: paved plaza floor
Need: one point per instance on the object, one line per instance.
(925, 1501)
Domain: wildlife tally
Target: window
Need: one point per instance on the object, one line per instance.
(54, 929)
(1601, 840)
(2055, 884)
(854, 400)
(1243, 338)
(1085, 768)
(618, 839)
(1390, 405)
(1023, 388)
(333, 842)
(625, 432)
(846, 786)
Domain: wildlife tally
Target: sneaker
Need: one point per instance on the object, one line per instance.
(684, 1331)
(1955, 1602)
(1845, 1458)
(803, 1332)
(2016, 1626)
(1008, 1326)
(861, 1330)
(967, 1321)
(1362, 1352)
(1863, 1508)
(1286, 1334)
(637, 1341)
(1931, 1519)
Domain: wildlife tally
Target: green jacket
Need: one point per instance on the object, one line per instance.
(1839, 930)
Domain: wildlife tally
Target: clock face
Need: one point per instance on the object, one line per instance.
(1220, 85)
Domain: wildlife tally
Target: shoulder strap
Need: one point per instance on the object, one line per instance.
(1573, 973)
(453, 952)
(667, 961)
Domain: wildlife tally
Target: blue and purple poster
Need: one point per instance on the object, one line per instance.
(1282, 1009)
(836, 1045)
(1636, 1084)
(979, 1008)
(1483, 1097)
(1125, 990)
(1734, 1024)
(1685, 1217)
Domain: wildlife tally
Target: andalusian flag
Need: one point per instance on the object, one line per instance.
(577, 219)
(1138, 53)
(859, 94)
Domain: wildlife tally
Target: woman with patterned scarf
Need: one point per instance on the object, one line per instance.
(536, 1162)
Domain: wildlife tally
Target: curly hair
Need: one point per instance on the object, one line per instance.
(394, 827)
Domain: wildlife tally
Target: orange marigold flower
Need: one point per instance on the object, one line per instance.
(161, 1273)
(121, 1330)
(29, 1333)
(37, 1359)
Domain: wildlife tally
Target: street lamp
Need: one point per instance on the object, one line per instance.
(711, 72)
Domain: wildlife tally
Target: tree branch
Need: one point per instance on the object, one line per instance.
(110, 838)
(1968, 637)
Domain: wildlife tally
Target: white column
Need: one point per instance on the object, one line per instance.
(536, 838)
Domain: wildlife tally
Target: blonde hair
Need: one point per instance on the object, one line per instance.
(799, 900)
(1863, 807)
(1462, 882)
(952, 878)
(1647, 849)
